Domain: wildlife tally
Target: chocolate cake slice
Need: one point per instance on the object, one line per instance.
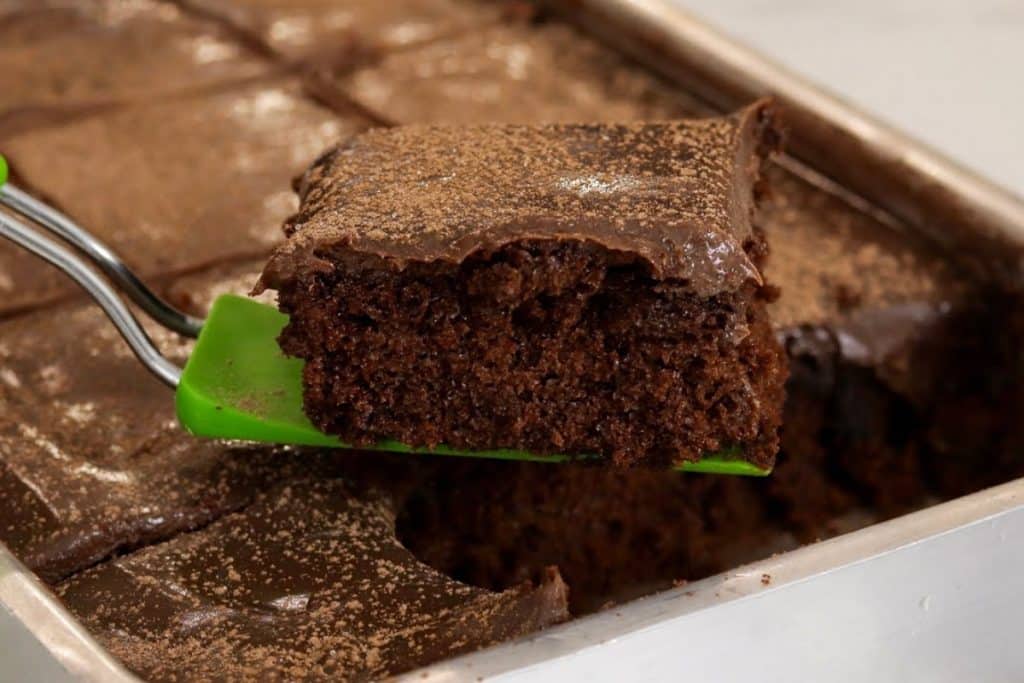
(577, 289)
(307, 583)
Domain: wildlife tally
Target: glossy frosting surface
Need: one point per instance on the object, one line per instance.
(91, 458)
(513, 74)
(308, 582)
(172, 185)
(331, 30)
(677, 195)
(73, 54)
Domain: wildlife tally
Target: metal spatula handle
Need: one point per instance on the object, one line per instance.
(102, 292)
(103, 257)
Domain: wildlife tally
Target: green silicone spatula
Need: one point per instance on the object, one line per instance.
(236, 384)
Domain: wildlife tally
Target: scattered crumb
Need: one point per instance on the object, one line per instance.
(847, 297)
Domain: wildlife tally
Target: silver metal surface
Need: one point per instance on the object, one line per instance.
(935, 595)
(50, 645)
(104, 258)
(932, 596)
(98, 289)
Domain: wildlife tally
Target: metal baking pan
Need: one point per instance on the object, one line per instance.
(931, 596)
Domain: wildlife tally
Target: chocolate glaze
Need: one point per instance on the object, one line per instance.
(334, 31)
(162, 183)
(93, 461)
(511, 74)
(677, 195)
(831, 257)
(71, 55)
(307, 583)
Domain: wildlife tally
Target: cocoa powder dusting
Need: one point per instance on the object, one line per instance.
(677, 194)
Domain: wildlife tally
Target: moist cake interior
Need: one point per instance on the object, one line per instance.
(561, 344)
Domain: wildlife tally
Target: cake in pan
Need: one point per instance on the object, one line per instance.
(63, 58)
(306, 583)
(85, 473)
(332, 33)
(150, 179)
(876, 324)
(508, 73)
(589, 290)
(905, 385)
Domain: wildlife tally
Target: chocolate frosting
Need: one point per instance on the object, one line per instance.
(332, 30)
(63, 54)
(171, 185)
(307, 583)
(830, 256)
(879, 337)
(513, 74)
(676, 195)
(91, 458)
(880, 292)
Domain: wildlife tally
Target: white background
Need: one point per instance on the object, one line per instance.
(950, 72)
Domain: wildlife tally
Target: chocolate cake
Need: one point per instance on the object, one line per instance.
(160, 183)
(873, 320)
(306, 583)
(833, 258)
(335, 32)
(577, 289)
(887, 319)
(615, 534)
(92, 461)
(59, 58)
(512, 74)
(843, 414)
(905, 381)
